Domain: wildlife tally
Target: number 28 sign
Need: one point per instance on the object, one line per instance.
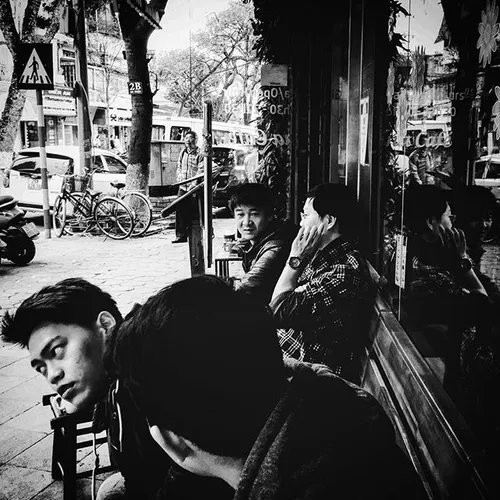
(135, 87)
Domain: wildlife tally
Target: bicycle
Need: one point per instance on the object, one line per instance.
(76, 211)
(139, 205)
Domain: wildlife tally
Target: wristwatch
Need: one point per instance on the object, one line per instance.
(464, 265)
(294, 262)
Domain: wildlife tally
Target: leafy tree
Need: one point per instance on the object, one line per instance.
(105, 50)
(220, 65)
(40, 23)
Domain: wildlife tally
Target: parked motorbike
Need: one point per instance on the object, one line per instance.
(16, 233)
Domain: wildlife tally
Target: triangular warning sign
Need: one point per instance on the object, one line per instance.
(34, 72)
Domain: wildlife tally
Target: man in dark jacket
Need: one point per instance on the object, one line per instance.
(203, 364)
(265, 240)
(66, 328)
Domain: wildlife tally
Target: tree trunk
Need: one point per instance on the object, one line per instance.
(136, 31)
(142, 116)
(9, 123)
(14, 104)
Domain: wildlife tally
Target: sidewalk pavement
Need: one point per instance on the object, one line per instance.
(130, 270)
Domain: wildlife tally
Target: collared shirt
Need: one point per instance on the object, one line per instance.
(190, 164)
(328, 313)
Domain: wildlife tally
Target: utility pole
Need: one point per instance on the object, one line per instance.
(81, 88)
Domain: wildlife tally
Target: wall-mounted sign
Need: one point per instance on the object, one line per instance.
(274, 75)
(135, 88)
(363, 128)
(59, 102)
(35, 65)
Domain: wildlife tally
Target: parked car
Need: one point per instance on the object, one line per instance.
(23, 179)
(230, 158)
(487, 173)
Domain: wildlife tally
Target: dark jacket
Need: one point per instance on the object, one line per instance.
(264, 261)
(326, 439)
(149, 473)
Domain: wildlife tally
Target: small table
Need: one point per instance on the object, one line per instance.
(222, 263)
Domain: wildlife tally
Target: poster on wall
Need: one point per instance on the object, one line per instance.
(363, 129)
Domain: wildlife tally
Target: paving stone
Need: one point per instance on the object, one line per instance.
(20, 483)
(38, 456)
(15, 441)
(11, 408)
(7, 383)
(30, 390)
(37, 418)
(20, 368)
(6, 361)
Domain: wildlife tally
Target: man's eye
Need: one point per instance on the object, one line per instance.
(41, 369)
(57, 350)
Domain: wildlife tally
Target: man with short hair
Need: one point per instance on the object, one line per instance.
(189, 164)
(66, 328)
(324, 295)
(203, 364)
(265, 240)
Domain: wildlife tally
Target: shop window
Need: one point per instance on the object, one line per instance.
(445, 133)
(69, 73)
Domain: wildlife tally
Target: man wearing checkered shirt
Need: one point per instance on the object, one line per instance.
(322, 300)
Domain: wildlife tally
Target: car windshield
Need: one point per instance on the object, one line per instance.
(55, 165)
(480, 166)
(115, 166)
(493, 171)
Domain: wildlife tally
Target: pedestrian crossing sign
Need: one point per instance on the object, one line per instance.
(35, 66)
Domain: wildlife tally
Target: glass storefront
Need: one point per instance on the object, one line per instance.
(444, 172)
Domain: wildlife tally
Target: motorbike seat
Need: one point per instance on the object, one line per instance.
(7, 202)
(118, 185)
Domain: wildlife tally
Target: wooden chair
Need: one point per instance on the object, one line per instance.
(67, 428)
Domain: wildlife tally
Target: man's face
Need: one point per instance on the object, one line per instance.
(70, 357)
(309, 216)
(479, 227)
(251, 221)
(189, 141)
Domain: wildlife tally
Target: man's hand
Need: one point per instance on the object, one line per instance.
(453, 241)
(307, 240)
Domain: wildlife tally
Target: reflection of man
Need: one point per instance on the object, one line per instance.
(189, 164)
(420, 163)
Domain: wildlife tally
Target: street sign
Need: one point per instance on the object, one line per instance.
(35, 66)
(135, 87)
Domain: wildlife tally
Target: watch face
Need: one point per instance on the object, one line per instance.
(294, 262)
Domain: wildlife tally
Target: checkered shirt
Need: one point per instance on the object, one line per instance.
(190, 163)
(324, 316)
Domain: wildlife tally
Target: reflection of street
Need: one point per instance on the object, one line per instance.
(490, 262)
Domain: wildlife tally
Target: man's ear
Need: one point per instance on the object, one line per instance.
(431, 223)
(176, 447)
(106, 320)
(330, 221)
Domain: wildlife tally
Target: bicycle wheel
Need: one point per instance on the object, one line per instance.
(141, 210)
(113, 218)
(77, 214)
(59, 216)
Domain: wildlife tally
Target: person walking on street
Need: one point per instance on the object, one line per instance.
(190, 164)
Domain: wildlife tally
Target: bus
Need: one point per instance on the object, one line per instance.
(174, 129)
